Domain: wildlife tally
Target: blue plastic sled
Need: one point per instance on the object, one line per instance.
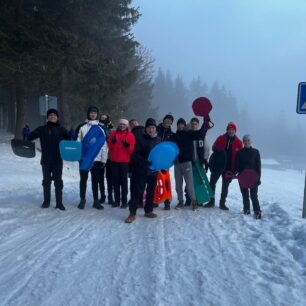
(71, 150)
(91, 146)
(163, 155)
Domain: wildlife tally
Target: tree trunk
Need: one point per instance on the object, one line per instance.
(11, 110)
(20, 109)
(65, 111)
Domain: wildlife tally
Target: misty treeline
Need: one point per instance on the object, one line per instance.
(81, 51)
(274, 137)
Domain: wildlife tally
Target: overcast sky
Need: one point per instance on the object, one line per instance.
(256, 48)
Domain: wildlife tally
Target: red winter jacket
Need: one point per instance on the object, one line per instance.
(117, 151)
(221, 143)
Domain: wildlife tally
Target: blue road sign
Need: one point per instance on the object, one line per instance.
(301, 99)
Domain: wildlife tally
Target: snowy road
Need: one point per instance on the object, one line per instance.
(90, 257)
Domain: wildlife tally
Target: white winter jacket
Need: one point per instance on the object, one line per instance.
(102, 156)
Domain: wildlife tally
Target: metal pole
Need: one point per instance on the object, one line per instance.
(304, 202)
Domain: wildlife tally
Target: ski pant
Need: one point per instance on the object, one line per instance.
(120, 181)
(52, 172)
(246, 194)
(109, 179)
(101, 182)
(184, 171)
(95, 177)
(214, 177)
(143, 183)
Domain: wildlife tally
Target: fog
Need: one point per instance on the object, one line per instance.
(255, 49)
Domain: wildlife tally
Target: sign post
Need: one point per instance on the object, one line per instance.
(301, 109)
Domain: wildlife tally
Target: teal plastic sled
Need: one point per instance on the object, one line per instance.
(202, 187)
(71, 150)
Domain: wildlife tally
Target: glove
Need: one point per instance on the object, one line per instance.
(205, 165)
(125, 144)
(114, 140)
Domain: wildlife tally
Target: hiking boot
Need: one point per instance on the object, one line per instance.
(45, 205)
(257, 215)
(97, 205)
(210, 204)
(82, 204)
(194, 205)
(224, 207)
(130, 219)
(60, 206)
(115, 204)
(246, 212)
(150, 215)
(180, 205)
(123, 205)
(167, 206)
(102, 199)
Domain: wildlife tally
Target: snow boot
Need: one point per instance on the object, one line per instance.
(123, 205)
(82, 204)
(246, 212)
(96, 204)
(180, 205)
(194, 205)
(210, 204)
(102, 199)
(150, 215)
(60, 206)
(110, 200)
(45, 205)
(115, 204)
(130, 219)
(167, 206)
(223, 207)
(257, 215)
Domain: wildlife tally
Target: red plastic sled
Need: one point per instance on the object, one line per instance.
(201, 106)
(163, 188)
(248, 178)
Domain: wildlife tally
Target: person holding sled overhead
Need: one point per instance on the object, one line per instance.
(144, 177)
(99, 160)
(165, 133)
(51, 162)
(249, 158)
(121, 144)
(183, 166)
(226, 146)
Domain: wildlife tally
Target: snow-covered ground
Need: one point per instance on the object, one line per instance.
(90, 257)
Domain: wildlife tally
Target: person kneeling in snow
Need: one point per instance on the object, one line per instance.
(249, 158)
(51, 162)
(145, 178)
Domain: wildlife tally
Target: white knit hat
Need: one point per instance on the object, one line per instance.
(123, 121)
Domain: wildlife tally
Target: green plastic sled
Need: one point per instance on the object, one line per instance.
(202, 187)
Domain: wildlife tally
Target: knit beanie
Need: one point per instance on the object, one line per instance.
(181, 121)
(169, 116)
(194, 119)
(92, 109)
(52, 111)
(150, 122)
(123, 121)
(232, 125)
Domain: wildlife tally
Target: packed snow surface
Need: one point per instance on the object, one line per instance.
(90, 257)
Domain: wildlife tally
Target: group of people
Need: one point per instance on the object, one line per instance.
(125, 155)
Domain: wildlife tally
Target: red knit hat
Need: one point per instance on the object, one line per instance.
(232, 125)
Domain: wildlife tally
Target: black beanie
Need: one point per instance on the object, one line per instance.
(150, 122)
(52, 111)
(92, 109)
(194, 119)
(181, 121)
(168, 116)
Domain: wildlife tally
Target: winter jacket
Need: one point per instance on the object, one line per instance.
(231, 145)
(184, 140)
(83, 129)
(201, 150)
(164, 133)
(50, 136)
(248, 158)
(138, 132)
(139, 158)
(121, 146)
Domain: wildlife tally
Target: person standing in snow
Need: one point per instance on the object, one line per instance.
(144, 178)
(25, 132)
(165, 133)
(51, 162)
(121, 145)
(99, 162)
(183, 166)
(200, 152)
(228, 144)
(249, 158)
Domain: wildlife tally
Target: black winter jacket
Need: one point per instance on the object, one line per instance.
(139, 158)
(138, 131)
(50, 136)
(248, 158)
(163, 133)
